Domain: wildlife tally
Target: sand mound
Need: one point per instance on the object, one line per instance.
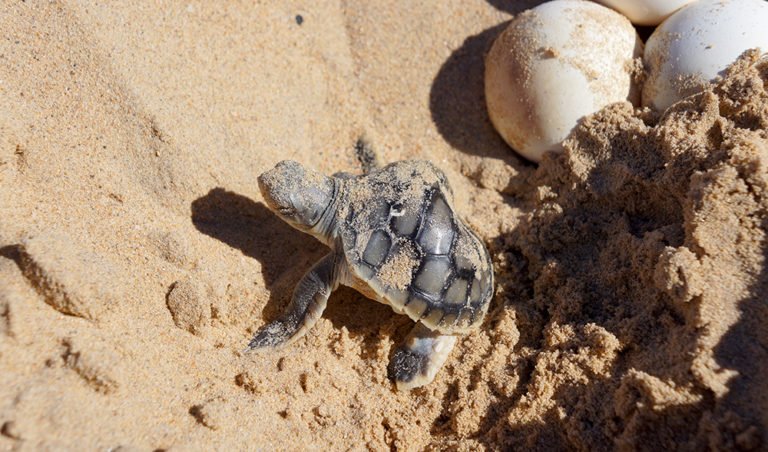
(645, 253)
(137, 256)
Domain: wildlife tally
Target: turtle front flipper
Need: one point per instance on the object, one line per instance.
(307, 305)
(416, 362)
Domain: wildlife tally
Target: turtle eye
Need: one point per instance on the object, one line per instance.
(302, 210)
(315, 217)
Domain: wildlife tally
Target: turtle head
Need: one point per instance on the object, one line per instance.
(298, 195)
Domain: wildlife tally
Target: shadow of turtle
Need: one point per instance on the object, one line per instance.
(250, 227)
(285, 255)
(367, 321)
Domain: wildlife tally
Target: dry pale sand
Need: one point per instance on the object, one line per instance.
(137, 257)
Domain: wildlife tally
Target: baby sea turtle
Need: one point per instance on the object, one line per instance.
(394, 237)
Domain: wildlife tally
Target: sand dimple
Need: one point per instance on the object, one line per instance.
(212, 413)
(72, 279)
(94, 361)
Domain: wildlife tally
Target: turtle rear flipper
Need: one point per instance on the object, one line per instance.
(416, 362)
(367, 157)
(307, 305)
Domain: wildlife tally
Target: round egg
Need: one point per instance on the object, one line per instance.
(697, 43)
(646, 12)
(555, 64)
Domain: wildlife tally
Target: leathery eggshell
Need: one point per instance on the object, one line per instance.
(646, 12)
(555, 64)
(696, 44)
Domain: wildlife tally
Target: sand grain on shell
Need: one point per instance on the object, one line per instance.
(397, 270)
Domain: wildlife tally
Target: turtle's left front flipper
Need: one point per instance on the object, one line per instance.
(307, 305)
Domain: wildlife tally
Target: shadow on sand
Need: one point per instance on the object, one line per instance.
(285, 255)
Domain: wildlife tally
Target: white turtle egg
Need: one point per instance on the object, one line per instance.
(555, 64)
(646, 12)
(696, 44)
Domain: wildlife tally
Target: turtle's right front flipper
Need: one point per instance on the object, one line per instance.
(307, 305)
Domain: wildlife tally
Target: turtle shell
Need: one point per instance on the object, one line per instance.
(404, 242)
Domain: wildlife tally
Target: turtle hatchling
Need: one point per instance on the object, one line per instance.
(394, 237)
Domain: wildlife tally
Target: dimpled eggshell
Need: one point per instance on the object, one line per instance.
(646, 12)
(555, 64)
(697, 43)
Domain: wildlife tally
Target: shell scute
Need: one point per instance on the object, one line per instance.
(438, 231)
(377, 248)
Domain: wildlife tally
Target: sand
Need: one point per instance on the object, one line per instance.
(137, 256)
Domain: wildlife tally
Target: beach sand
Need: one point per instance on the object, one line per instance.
(137, 257)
